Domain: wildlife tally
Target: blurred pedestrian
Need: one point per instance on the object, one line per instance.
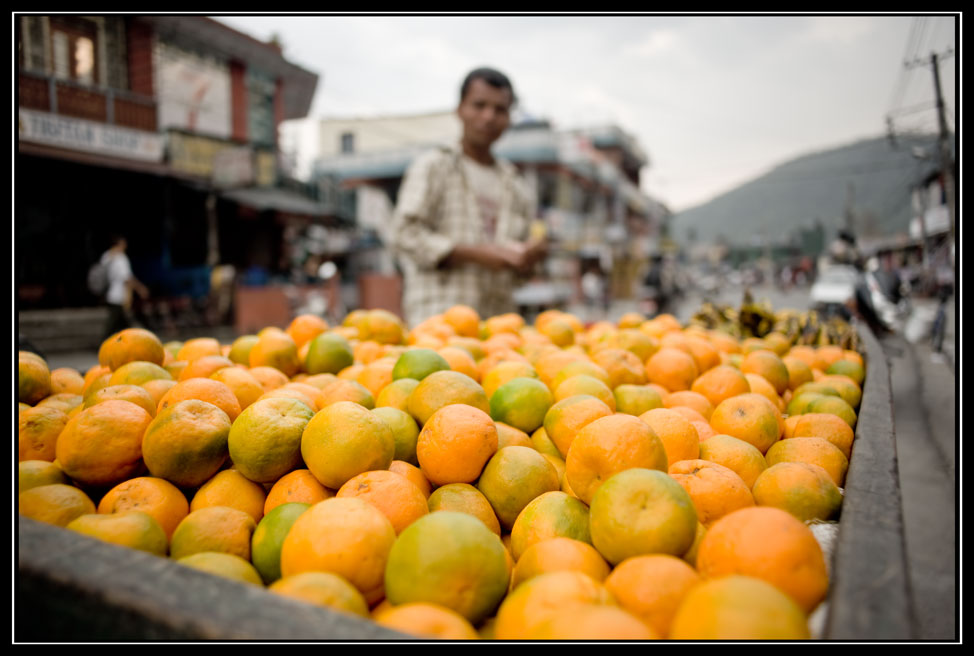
(462, 224)
(121, 284)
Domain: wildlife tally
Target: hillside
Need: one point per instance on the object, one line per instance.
(873, 174)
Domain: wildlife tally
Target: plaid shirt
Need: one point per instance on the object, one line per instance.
(435, 211)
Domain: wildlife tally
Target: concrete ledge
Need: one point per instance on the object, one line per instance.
(70, 587)
(870, 595)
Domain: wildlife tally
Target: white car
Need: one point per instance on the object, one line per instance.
(835, 285)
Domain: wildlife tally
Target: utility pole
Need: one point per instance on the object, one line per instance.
(946, 161)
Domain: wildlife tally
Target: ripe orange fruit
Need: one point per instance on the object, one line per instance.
(566, 417)
(396, 394)
(679, 437)
(322, 589)
(673, 368)
(651, 587)
(128, 345)
(451, 559)
(749, 417)
(512, 478)
(760, 385)
(770, 544)
(522, 403)
(558, 554)
(715, 489)
(202, 389)
(426, 620)
(157, 389)
(813, 450)
(413, 474)
(186, 443)
(305, 327)
(463, 497)
(641, 511)
(636, 399)
(33, 473)
(298, 486)
(443, 388)
(33, 378)
(550, 515)
(768, 365)
(610, 445)
(828, 426)
(735, 607)
(834, 405)
(504, 371)
(155, 496)
(720, 383)
(268, 537)
(241, 382)
(345, 439)
(344, 536)
(690, 399)
(216, 528)
(803, 489)
(229, 488)
(463, 319)
(275, 348)
(133, 529)
(455, 444)
(38, 429)
(66, 380)
(585, 384)
(138, 372)
(226, 565)
(623, 366)
(544, 597)
(102, 445)
(132, 393)
(264, 442)
(56, 503)
(743, 458)
(395, 495)
(418, 363)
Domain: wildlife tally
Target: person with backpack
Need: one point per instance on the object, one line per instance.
(112, 276)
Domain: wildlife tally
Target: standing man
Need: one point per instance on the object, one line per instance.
(462, 223)
(121, 284)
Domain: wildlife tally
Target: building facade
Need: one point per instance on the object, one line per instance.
(161, 129)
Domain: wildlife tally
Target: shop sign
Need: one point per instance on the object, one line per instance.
(226, 164)
(233, 167)
(193, 92)
(266, 168)
(90, 136)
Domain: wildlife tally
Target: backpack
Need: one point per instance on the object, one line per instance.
(98, 278)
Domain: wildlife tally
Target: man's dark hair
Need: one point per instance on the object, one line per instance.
(492, 77)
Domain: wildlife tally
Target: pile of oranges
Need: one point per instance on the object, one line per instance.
(469, 477)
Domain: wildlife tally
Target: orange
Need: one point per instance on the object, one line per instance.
(155, 496)
(805, 490)
(640, 511)
(396, 394)
(231, 489)
(322, 589)
(418, 363)
(799, 371)
(425, 620)
(463, 497)
(705, 355)
(768, 365)
(679, 437)
(688, 413)
(198, 347)
(636, 399)
(157, 389)
(690, 399)
(812, 450)
(508, 322)
(305, 327)
(623, 366)
(651, 587)
(66, 380)
(33, 473)
(382, 326)
(298, 486)
(847, 388)
(834, 405)
(592, 622)
(504, 371)
(343, 440)
(128, 345)
(512, 478)
(510, 436)
(521, 403)
(544, 597)
(610, 445)
(567, 417)
(275, 348)
(414, 474)
(826, 355)
(264, 442)
(241, 382)
(56, 503)
(132, 393)
(186, 443)
(33, 378)
(451, 559)
(743, 458)
(749, 417)
(265, 543)
(769, 544)
(463, 319)
(455, 444)
(760, 385)
(720, 383)
(704, 429)
(405, 431)
(460, 360)
(632, 339)
(550, 364)
(443, 388)
(345, 390)
(216, 528)
(550, 515)
(779, 342)
(328, 352)
(38, 429)
(715, 489)
(290, 392)
(132, 529)
(202, 389)
(557, 554)
(827, 426)
(203, 366)
(585, 384)
(239, 352)
(579, 367)
(544, 445)
(64, 401)
(673, 368)
(225, 565)
(398, 498)
(102, 445)
(735, 607)
(345, 536)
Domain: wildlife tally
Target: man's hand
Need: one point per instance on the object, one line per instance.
(520, 257)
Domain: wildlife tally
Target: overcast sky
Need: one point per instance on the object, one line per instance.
(714, 101)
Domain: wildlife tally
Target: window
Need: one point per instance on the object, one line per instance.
(73, 49)
(348, 142)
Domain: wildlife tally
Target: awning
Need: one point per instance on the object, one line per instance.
(281, 200)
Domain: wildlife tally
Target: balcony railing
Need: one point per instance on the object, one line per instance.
(48, 94)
